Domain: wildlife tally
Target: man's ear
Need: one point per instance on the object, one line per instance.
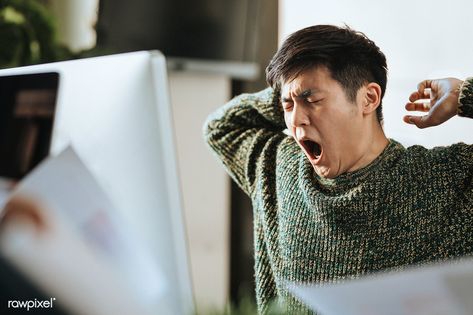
(371, 97)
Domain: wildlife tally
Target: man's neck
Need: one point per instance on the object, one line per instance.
(373, 147)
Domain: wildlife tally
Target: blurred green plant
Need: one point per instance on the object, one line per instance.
(28, 34)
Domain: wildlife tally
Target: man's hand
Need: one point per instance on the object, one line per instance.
(22, 209)
(439, 98)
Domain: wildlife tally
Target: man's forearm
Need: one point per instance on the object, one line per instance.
(259, 110)
(240, 131)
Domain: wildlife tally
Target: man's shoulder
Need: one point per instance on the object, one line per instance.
(446, 153)
(267, 95)
(439, 149)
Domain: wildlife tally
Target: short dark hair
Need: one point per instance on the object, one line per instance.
(351, 57)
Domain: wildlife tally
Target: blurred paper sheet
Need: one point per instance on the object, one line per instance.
(438, 289)
(85, 243)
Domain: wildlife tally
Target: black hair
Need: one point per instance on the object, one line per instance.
(352, 59)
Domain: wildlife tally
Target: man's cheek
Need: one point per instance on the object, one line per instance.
(290, 131)
(287, 120)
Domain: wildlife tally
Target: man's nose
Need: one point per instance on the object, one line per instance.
(299, 116)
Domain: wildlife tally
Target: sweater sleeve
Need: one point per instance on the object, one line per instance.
(241, 130)
(465, 100)
(465, 152)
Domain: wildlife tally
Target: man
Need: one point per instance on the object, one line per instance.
(335, 198)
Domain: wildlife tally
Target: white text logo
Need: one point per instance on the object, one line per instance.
(34, 304)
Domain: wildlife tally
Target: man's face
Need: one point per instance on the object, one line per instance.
(325, 124)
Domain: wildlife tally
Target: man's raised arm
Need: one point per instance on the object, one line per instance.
(244, 132)
(446, 98)
(441, 99)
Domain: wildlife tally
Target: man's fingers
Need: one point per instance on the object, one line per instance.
(419, 107)
(25, 209)
(414, 96)
(423, 91)
(419, 121)
(426, 84)
(420, 95)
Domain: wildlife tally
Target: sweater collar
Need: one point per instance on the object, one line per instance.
(392, 151)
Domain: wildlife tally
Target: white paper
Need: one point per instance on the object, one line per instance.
(85, 240)
(438, 289)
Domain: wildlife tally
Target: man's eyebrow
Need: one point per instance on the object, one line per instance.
(306, 93)
(302, 95)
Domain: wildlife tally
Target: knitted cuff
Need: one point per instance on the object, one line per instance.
(465, 100)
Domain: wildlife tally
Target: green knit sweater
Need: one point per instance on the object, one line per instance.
(409, 206)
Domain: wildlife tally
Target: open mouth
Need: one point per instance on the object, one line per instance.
(313, 149)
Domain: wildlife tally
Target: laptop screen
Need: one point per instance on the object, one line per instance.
(27, 106)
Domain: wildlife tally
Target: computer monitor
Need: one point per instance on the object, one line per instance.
(115, 111)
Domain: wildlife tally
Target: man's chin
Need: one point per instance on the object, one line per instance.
(324, 171)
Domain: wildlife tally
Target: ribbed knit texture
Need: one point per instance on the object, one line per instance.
(409, 206)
